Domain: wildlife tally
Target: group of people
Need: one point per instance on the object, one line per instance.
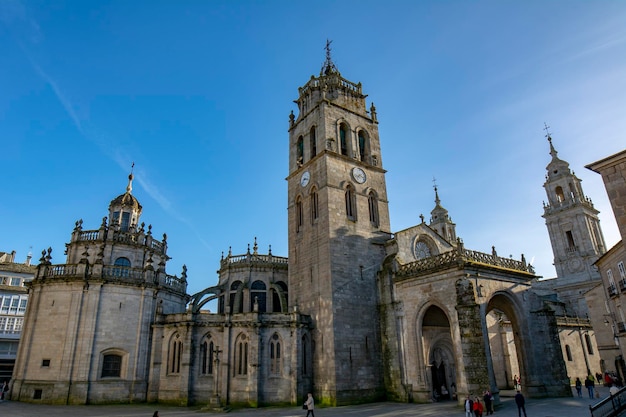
(475, 408)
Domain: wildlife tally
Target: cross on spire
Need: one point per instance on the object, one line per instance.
(328, 67)
(546, 128)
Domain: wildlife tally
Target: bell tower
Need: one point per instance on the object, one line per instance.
(338, 224)
(575, 233)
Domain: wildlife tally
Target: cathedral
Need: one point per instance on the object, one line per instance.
(355, 313)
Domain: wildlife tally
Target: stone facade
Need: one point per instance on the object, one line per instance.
(354, 314)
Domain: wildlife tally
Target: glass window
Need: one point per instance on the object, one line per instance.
(373, 206)
(622, 271)
(125, 221)
(314, 205)
(275, 355)
(111, 366)
(241, 356)
(298, 214)
(350, 203)
(16, 282)
(176, 353)
(313, 142)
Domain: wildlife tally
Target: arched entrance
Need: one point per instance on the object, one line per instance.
(441, 361)
(504, 343)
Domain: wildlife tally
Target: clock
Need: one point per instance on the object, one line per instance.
(305, 178)
(359, 175)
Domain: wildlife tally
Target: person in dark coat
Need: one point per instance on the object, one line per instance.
(590, 385)
(488, 399)
(520, 401)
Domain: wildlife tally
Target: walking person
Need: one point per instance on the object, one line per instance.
(469, 407)
(487, 398)
(520, 401)
(478, 407)
(310, 405)
(590, 385)
(579, 388)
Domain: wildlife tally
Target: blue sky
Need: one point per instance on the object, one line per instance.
(198, 93)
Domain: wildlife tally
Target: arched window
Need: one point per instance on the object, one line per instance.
(363, 146)
(314, 205)
(350, 203)
(236, 298)
(589, 345)
(343, 139)
(277, 306)
(275, 355)
(175, 354)
(206, 356)
(372, 202)
(111, 365)
(300, 150)
(258, 294)
(559, 194)
(299, 216)
(568, 353)
(125, 221)
(313, 142)
(241, 356)
(122, 261)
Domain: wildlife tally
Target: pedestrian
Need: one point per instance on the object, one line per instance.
(579, 388)
(5, 389)
(310, 405)
(478, 407)
(487, 398)
(520, 401)
(590, 384)
(469, 406)
(156, 414)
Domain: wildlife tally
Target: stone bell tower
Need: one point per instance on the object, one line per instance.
(575, 234)
(338, 222)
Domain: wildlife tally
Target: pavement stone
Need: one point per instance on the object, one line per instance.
(548, 407)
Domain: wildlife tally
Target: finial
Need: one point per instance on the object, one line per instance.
(270, 251)
(437, 201)
(129, 187)
(422, 218)
(255, 247)
(328, 67)
(553, 151)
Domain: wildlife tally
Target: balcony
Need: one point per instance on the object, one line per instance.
(612, 290)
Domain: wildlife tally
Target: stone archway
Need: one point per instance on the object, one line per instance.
(505, 346)
(437, 339)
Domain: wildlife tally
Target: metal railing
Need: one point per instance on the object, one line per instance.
(612, 406)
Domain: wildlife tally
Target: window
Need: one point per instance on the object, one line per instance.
(559, 194)
(300, 151)
(570, 240)
(350, 203)
(206, 357)
(111, 366)
(343, 139)
(362, 145)
(589, 345)
(313, 142)
(125, 221)
(236, 299)
(22, 308)
(275, 355)
(622, 271)
(175, 354)
(314, 205)
(306, 356)
(298, 214)
(258, 294)
(45, 363)
(609, 275)
(241, 356)
(16, 282)
(568, 352)
(372, 202)
(122, 262)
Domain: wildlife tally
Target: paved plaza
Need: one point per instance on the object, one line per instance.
(552, 407)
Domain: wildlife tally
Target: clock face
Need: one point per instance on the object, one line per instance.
(359, 175)
(305, 178)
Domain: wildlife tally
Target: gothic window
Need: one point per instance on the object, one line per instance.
(175, 354)
(559, 194)
(236, 298)
(275, 355)
(299, 216)
(314, 205)
(568, 352)
(241, 356)
(421, 250)
(300, 150)
(589, 345)
(206, 356)
(343, 139)
(258, 295)
(350, 203)
(372, 202)
(313, 142)
(111, 365)
(363, 145)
